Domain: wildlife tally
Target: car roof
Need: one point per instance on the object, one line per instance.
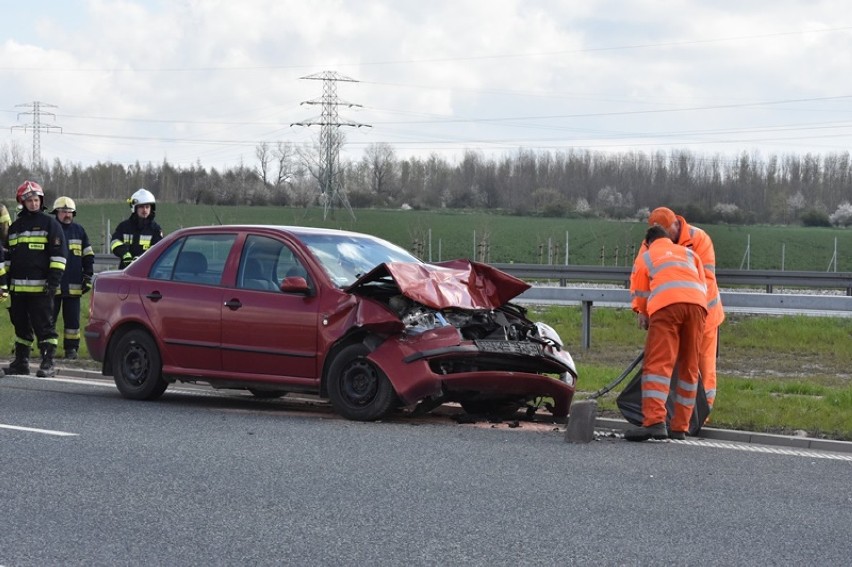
(282, 229)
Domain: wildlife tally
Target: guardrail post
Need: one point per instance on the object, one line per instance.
(587, 325)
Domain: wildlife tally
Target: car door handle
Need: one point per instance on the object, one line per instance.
(155, 296)
(233, 304)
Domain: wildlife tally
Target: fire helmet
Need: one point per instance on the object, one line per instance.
(28, 189)
(142, 197)
(66, 203)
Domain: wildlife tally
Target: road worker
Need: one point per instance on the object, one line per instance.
(35, 264)
(669, 292)
(699, 242)
(77, 278)
(136, 234)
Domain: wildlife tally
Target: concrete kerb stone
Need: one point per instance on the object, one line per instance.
(619, 425)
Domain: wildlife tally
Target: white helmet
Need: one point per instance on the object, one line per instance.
(64, 203)
(141, 197)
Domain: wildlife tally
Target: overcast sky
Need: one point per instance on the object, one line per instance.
(206, 81)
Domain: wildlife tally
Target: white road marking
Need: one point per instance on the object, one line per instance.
(35, 430)
(766, 449)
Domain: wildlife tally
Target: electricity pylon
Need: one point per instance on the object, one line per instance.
(330, 176)
(37, 127)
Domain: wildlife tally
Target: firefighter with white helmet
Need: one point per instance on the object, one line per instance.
(77, 278)
(36, 262)
(136, 234)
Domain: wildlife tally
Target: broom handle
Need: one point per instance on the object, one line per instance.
(620, 378)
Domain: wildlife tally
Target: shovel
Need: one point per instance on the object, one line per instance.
(582, 415)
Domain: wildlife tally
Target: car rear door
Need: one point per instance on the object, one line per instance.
(183, 298)
(267, 333)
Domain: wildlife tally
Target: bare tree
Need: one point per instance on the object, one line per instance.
(381, 160)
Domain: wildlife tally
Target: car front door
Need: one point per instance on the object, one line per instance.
(267, 333)
(183, 299)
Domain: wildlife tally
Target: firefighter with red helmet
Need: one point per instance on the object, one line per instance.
(136, 234)
(35, 264)
(77, 278)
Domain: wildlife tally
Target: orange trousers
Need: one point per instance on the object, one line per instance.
(707, 362)
(675, 337)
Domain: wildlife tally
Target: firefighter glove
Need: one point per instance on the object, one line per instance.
(87, 283)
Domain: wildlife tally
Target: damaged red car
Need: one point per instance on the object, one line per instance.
(346, 316)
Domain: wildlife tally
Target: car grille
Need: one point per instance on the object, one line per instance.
(509, 347)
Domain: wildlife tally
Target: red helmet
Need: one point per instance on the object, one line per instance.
(27, 190)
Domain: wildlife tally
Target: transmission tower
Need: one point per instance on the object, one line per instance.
(330, 176)
(37, 127)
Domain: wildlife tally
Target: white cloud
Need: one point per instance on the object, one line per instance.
(206, 81)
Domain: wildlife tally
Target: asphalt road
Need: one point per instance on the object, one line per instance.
(218, 478)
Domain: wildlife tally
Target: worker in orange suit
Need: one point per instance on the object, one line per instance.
(699, 242)
(669, 292)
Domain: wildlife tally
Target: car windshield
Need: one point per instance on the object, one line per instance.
(347, 257)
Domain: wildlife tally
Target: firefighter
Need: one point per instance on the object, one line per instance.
(35, 264)
(77, 278)
(698, 241)
(5, 221)
(669, 292)
(136, 234)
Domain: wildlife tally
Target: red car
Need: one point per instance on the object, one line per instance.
(347, 316)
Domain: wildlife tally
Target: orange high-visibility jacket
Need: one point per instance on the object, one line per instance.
(664, 274)
(699, 242)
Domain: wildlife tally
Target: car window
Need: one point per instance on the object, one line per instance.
(346, 258)
(265, 262)
(197, 259)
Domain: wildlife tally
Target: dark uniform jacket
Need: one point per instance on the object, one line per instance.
(81, 260)
(37, 253)
(133, 236)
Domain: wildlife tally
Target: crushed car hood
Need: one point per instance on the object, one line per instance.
(459, 284)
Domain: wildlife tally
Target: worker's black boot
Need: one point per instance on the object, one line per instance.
(46, 368)
(21, 364)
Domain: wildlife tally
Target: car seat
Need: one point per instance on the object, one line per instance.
(189, 266)
(253, 277)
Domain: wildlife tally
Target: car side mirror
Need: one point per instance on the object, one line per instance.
(295, 284)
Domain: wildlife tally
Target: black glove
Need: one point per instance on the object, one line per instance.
(125, 261)
(50, 289)
(87, 283)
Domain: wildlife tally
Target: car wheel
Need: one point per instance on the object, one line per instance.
(267, 394)
(137, 368)
(501, 409)
(357, 389)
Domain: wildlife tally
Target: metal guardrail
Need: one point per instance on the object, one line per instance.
(587, 297)
(621, 275)
(621, 298)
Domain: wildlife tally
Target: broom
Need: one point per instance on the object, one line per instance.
(582, 415)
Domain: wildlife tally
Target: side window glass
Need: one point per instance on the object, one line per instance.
(265, 263)
(197, 259)
(257, 264)
(165, 264)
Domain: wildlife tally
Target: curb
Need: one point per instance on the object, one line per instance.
(619, 425)
(770, 439)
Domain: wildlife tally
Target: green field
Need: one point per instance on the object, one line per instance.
(444, 235)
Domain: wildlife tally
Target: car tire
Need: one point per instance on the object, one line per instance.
(357, 388)
(137, 367)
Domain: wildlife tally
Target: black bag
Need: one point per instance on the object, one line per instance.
(630, 403)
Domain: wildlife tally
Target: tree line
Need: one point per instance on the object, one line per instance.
(810, 189)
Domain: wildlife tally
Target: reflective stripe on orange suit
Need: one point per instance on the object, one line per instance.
(668, 285)
(699, 242)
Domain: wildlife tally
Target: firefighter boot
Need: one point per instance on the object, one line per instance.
(46, 368)
(21, 364)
